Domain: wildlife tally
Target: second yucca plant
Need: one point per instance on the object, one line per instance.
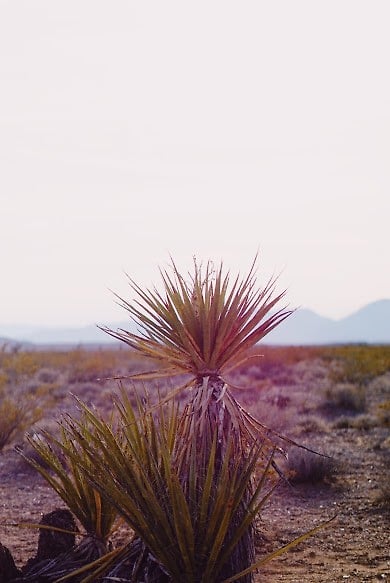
(204, 326)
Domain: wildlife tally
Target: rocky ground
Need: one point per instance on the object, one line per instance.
(354, 489)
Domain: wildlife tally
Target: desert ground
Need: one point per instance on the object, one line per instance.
(333, 400)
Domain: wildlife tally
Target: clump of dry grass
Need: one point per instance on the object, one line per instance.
(382, 500)
(16, 417)
(308, 467)
(312, 424)
(358, 364)
(21, 401)
(363, 422)
(384, 413)
(346, 397)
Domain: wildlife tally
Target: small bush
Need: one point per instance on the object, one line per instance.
(384, 413)
(88, 366)
(362, 422)
(16, 418)
(306, 467)
(343, 422)
(347, 397)
(19, 366)
(311, 424)
(382, 499)
(365, 422)
(47, 376)
(359, 364)
(3, 380)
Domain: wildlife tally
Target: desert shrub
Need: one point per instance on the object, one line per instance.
(278, 357)
(345, 397)
(89, 365)
(272, 416)
(44, 392)
(278, 373)
(16, 417)
(362, 422)
(384, 413)
(22, 397)
(382, 499)
(3, 380)
(358, 363)
(278, 400)
(88, 392)
(308, 467)
(312, 424)
(47, 376)
(19, 366)
(343, 422)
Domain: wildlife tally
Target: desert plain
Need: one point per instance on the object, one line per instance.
(334, 400)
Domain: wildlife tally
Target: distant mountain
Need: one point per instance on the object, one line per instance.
(46, 335)
(370, 324)
(302, 327)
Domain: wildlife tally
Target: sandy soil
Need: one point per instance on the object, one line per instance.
(355, 546)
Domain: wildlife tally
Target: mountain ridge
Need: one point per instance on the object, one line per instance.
(370, 324)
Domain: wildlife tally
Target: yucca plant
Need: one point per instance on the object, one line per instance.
(180, 506)
(189, 481)
(61, 462)
(204, 327)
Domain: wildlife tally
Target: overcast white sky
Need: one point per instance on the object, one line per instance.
(131, 130)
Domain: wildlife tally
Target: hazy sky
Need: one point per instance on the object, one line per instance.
(132, 130)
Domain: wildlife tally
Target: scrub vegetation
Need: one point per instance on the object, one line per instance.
(174, 473)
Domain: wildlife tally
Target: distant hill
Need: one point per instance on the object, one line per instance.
(370, 324)
(47, 335)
